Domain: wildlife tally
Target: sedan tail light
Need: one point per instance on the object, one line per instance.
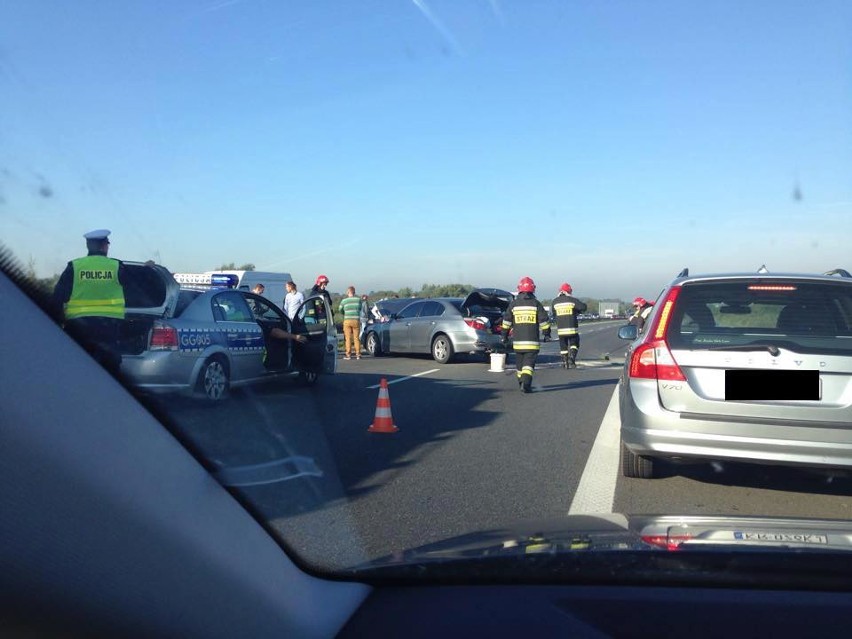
(163, 338)
(669, 542)
(475, 324)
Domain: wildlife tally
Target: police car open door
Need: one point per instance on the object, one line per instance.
(314, 320)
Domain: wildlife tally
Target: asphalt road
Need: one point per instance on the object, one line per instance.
(471, 453)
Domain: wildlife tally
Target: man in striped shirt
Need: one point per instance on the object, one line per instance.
(350, 308)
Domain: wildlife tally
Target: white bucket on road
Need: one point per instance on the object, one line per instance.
(498, 363)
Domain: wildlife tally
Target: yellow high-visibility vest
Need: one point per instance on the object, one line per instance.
(96, 291)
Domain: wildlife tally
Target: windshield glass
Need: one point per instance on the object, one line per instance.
(569, 156)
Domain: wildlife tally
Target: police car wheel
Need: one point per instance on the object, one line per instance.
(213, 380)
(308, 378)
(442, 349)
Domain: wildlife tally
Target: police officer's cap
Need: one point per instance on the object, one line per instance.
(98, 234)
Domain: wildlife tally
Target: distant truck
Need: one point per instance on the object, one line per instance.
(608, 310)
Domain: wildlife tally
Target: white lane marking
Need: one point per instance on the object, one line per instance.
(402, 379)
(596, 491)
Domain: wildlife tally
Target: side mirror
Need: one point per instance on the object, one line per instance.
(630, 332)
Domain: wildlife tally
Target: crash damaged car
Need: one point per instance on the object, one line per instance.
(442, 327)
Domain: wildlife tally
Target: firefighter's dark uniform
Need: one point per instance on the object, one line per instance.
(565, 309)
(638, 318)
(525, 316)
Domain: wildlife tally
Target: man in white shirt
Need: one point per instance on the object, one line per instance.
(293, 300)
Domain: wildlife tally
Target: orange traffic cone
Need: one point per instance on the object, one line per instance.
(383, 421)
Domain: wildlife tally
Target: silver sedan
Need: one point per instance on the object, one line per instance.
(442, 327)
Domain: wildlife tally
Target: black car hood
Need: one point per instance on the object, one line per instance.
(631, 549)
(645, 532)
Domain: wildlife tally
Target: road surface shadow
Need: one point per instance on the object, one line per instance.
(326, 424)
(775, 478)
(578, 384)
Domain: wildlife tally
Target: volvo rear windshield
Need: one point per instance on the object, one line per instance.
(812, 316)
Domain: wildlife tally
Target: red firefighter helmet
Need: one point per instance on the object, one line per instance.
(321, 279)
(526, 285)
(640, 301)
(566, 288)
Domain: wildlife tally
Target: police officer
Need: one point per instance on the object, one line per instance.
(641, 310)
(90, 298)
(525, 317)
(565, 308)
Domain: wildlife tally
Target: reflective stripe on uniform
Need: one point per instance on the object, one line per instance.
(96, 291)
(567, 331)
(525, 346)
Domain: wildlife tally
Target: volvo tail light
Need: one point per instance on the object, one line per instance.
(653, 359)
(163, 338)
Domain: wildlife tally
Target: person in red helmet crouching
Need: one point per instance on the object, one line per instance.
(525, 317)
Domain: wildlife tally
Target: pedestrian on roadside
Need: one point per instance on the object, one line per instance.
(364, 317)
(350, 308)
(565, 309)
(292, 300)
(525, 317)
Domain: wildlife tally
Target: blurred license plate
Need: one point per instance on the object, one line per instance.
(772, 385)
(781, 538)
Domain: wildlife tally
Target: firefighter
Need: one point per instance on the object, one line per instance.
(565, 309)
(525, 317)
(641, 310)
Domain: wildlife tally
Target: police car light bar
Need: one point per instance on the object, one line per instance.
(212, 280)
(224, 280)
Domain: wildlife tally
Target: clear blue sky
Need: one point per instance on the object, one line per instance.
(389, 143)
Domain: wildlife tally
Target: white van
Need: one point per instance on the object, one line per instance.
(273, 282)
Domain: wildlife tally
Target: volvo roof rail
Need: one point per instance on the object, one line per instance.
(842, 272)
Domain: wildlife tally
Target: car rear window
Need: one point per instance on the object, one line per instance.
(185, 298)
(812, 316)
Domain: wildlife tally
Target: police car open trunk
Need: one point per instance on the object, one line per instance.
(150, 293)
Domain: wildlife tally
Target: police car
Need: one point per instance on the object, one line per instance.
(205, 340)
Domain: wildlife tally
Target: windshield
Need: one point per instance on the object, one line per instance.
(569, 156)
